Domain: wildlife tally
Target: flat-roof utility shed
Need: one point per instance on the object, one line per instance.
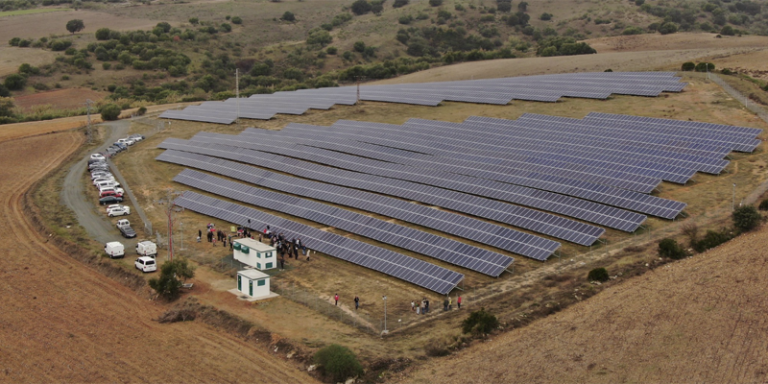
(253, 283)
(255, 254)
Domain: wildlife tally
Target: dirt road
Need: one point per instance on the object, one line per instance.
(64, 322)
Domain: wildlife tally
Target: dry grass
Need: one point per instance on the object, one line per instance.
(12, 57)
(72, 98)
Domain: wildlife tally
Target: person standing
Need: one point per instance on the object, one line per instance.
(336, 298)
(282, 263)
(458, 302)
(295, 251)
(445, 304)
(413, 306)
(357, 303)
(426, 305)
(199, 234)
(230, 244)
(450, 302)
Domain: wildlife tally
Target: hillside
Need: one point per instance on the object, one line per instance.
(698, 320)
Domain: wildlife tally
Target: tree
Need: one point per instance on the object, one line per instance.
(226, 27)
(194, 21)
(400, 3)
(4, 92)
(320, 37)
(288, 16)
(545, 16)
(522, 6)
(361, 7)
(504, 6)
(746, 218)
(727, 31)
(598, 274)
(75, 25)
(359, 46)
(671, 249)
(688, 66)
(110, 112)
(168, 284)
(15, 82)
(480, 323)
(435, 3)
(338, 362)
(704, 67)
(237, 20)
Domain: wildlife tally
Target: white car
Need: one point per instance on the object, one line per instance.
(98, 156)
(123, 223)
(113, 206)
(145, 264)
(103, 180)
(119, 211)
(101, 175)
(127, 141)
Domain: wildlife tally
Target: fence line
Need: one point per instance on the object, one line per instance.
(742, 98)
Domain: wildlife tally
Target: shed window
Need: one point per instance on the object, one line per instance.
(261, 282)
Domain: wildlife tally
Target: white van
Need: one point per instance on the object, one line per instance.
(146, 264)
(146, 248)
(114, 249)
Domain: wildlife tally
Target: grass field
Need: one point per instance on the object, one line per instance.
(315, 282)
(32, 11)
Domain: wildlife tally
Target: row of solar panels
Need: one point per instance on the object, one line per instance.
(546, 88)
(415, 271)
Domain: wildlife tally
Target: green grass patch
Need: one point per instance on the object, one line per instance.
(31, 11)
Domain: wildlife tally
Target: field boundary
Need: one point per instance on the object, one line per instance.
(742, 98)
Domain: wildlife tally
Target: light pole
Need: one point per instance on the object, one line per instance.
(385, 313)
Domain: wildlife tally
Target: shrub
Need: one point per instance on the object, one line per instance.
(227, 27)
(320, 37)
(705, 67)
(688, 66)
(110, 112)
(359, 46)
(405, 20)
(746, 218)
(545, 16)
(237, 20)
(361, 7)
(4, 92)
(728, 31)
(435, 3)
(712, 239)
(15, 82)
(106, 66)
(504, 6)
(763, 205)
(288, 16)
(598, 274)
(726, 71)
(399, 3)
(671, 249)
(632, 31)
(194, 21)
(168, 284)
(667, 28)
(102, 34)
(480, 323)
(338, 362)
(14, 42)
(332, 50)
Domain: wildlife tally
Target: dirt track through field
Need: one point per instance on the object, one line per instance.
(64, 322)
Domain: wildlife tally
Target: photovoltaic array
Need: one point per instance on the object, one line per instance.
(554, 176)
(546, 88)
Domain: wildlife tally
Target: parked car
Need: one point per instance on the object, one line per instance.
(128, 232)
(108, 185)
(110, 200)
(97, 165)
(96, 182)
(146, 264)
(123, 223)
(109, 192)
(101, 175)
(111, 206)
(136, 137)
(111, 151)
(127, 141)
(146, 248)
(114, 249)
(97, 156)
(120, 145)
(91, 161)
(119, 211)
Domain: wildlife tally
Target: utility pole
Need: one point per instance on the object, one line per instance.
(169, 212)
(733, 198)
(237, 93)
(88, 132)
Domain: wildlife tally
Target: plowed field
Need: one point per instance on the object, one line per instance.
(61, 98)
(698, 320)
(64, 322)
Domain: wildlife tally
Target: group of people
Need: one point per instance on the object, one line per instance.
(214, 235)
(284, 246)
(423, 307)
(357, 301)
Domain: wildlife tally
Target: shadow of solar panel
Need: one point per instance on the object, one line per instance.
(402, 267)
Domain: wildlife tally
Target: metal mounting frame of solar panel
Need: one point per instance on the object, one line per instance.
(438, 247)
(720, 128)
(693, 149)
(569, 206)
(181, 115)
(428, 143)
(448, 222)
(245, 113)
(530, 178)
(284, 108)
(671, 133)
(604, 177)
(611, 196)
(668, 172)
(588, 87)
(532, 135)
(467, 227)
(412, 270)
(567, 134)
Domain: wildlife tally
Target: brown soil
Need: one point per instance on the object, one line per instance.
(698, 320)
(63, 321)
(71, 98)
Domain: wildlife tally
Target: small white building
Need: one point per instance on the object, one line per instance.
(255, 253)
(253, 283)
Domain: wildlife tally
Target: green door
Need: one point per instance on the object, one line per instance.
(239, 283)
(250, 287)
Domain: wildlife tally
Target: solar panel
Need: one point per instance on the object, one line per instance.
(412, 270)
